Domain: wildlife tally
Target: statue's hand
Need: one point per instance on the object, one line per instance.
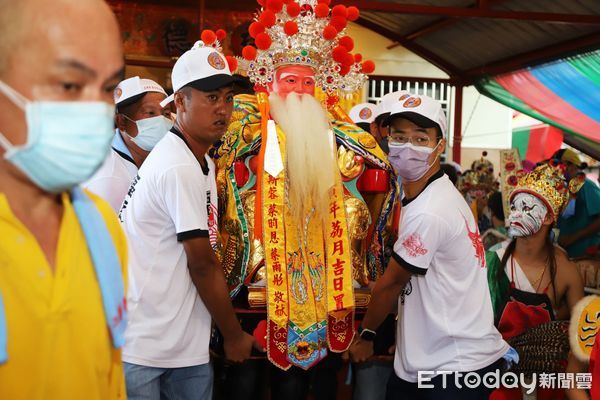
(349, 163)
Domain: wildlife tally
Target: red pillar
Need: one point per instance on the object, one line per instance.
(458, 100)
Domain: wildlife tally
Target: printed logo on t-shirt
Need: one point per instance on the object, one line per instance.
(414, 245)
(128, 196)
(406, 291)
(211, 211)
(477, 243)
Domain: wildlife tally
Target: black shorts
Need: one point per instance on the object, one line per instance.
(399, 389)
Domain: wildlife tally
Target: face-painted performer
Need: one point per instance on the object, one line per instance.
(532, 282)
(306, 209)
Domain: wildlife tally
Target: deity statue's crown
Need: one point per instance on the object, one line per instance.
(483, 165)
(305, 32)
(547, 182)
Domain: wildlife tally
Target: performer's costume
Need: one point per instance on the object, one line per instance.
(309, 266)
(524, 314)
(477, 183)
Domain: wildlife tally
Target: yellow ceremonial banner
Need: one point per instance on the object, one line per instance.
(510, 163)
(340, 295)
(275, 263)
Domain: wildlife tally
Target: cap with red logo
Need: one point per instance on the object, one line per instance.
(363, 113)
(422, 110)
(132, 89)
(387, 101)
(203, 68)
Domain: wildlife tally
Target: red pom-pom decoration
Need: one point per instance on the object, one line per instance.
(357, 57)
(290, 28)
(347, 42)
(329, 32)
(293, 9)
(221, 34)
(352, 13)
(347, 59)
(339, 11)
(249, 53)
(267, 18)
(232, 62)
(208, 37)
(275, 5)
(338, 53)
(255, 28)
(263, 41)
(338, 23)
(368, 67)
(344, 69)
(327, 2)
(261, 2)
(321, 10)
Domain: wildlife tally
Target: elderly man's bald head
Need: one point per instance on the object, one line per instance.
(59, 50)
(24, 22)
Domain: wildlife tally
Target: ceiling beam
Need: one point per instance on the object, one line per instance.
(399, 8)
(445, 22)
(415, 48)
(534, 57)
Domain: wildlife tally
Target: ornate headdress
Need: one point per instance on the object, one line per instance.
(475, 180)
(483, 165)
(306, 32)
(480, 176)
(547, 183)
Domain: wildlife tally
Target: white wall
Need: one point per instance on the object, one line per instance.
(394, 62)
(485, 122)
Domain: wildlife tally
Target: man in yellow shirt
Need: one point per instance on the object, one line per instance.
(61, 250)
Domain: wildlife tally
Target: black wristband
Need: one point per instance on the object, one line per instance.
(366, 334)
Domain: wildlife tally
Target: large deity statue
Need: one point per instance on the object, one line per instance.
(306, 198)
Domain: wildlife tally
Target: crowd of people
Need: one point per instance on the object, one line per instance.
(146, 238)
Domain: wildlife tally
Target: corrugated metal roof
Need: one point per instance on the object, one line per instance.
(468, 41)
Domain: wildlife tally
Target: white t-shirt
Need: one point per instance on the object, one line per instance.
(445, 316)
(172, 199)
(112, 180)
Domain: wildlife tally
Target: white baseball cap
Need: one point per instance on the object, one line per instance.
(421, 110)
(203, 68)
(131, 90)
(387, 101)
(363, 113)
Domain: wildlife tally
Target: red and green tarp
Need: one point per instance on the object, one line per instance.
(564, 94)
(537, 143)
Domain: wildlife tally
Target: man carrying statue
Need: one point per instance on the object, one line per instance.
(306, 197)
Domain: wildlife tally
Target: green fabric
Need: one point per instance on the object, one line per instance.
(588, 65)
(587, 209)
(498, 287)
(520, 141)
(492, 89)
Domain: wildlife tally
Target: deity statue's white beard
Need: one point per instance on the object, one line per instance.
(310, 162)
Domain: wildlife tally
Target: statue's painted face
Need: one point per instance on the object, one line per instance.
(299, 79)
(527, 215)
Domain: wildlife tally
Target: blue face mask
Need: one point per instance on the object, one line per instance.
(150, 131)
(67, 141)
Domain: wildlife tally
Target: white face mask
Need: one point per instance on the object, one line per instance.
(409, 161)
(150, 131)
(527, 214)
